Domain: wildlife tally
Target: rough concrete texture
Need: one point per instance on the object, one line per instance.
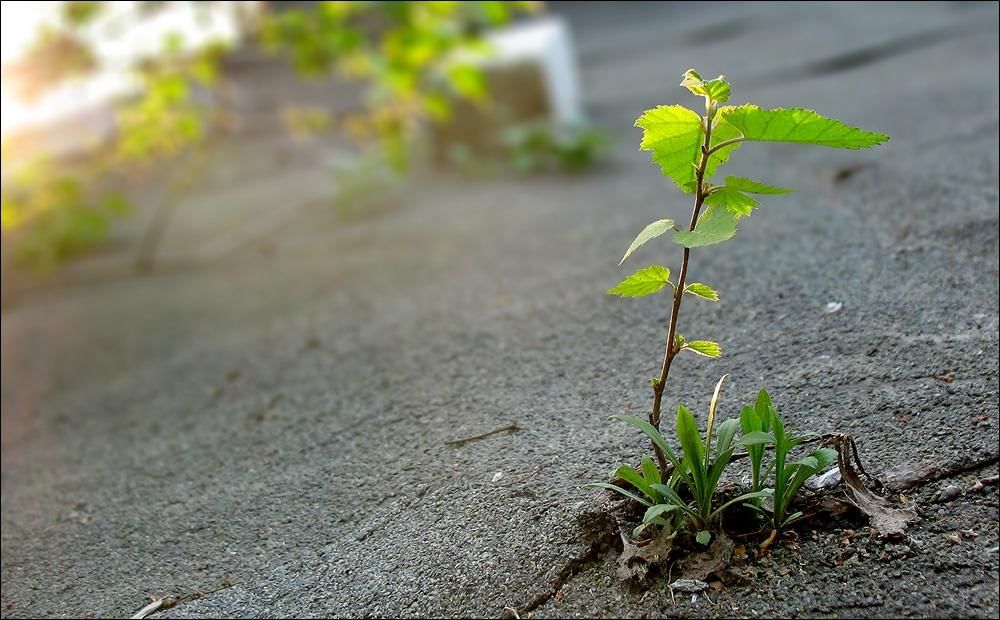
(272, 430)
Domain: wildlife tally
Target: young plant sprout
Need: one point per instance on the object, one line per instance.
(690, 148)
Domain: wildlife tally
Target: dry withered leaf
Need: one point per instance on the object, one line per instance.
(733, 576)
(888, 521)
(635, 562)
(700, 565)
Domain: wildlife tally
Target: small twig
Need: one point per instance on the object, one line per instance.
(670, 580)
(167, 602)
(510, 428)
(767, 543)
(148, 609)
(510, 612)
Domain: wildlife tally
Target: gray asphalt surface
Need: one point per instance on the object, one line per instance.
(272, 431)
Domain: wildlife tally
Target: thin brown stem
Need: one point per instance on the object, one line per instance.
(670, 349)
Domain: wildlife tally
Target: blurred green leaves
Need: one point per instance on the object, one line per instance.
(415, 59)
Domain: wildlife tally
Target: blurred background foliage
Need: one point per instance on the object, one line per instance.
(411, 62)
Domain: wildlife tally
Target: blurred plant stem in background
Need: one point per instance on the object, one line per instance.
(56, 206)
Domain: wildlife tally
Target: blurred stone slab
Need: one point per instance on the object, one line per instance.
(532, 77)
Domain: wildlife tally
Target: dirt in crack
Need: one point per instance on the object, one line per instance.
(600, 526)
(844, 497)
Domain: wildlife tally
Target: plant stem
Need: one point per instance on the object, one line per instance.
(670, 351)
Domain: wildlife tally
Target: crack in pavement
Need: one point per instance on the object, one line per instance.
(898, 480)
(863, 56)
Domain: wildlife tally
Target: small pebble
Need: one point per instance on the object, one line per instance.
(949, 493)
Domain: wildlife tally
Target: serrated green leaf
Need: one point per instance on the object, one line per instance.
(716, 225)
(645, 281)
(721, 132)
(705, 347)
(750, 186)
(736, 202)
(652, 231)
(796, 125)
(717, 90)
(674, 135)
(702, 290)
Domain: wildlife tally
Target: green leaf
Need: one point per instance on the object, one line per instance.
(645, 281)
(721, 132)
(673, 133)
(716, 225)
(658, 511)
(807, 462)
(764, 409)
(781, 441)
(741, 498)
(671, 496)
(717, 468)
(652, 231)
(702, 290)
(690, 440)
(825, 456)
(755, 438)
(654, 436)
(705, 347)
(649, 471)
(717, 90)
(630, 475)
(796, 125)
(750, 186)
(749, 421)
(618, 489)
(736, 202)
(727, 430)
(703, 537)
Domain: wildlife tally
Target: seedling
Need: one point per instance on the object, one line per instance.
(690, 148)
(699, 471)
(788, 477)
